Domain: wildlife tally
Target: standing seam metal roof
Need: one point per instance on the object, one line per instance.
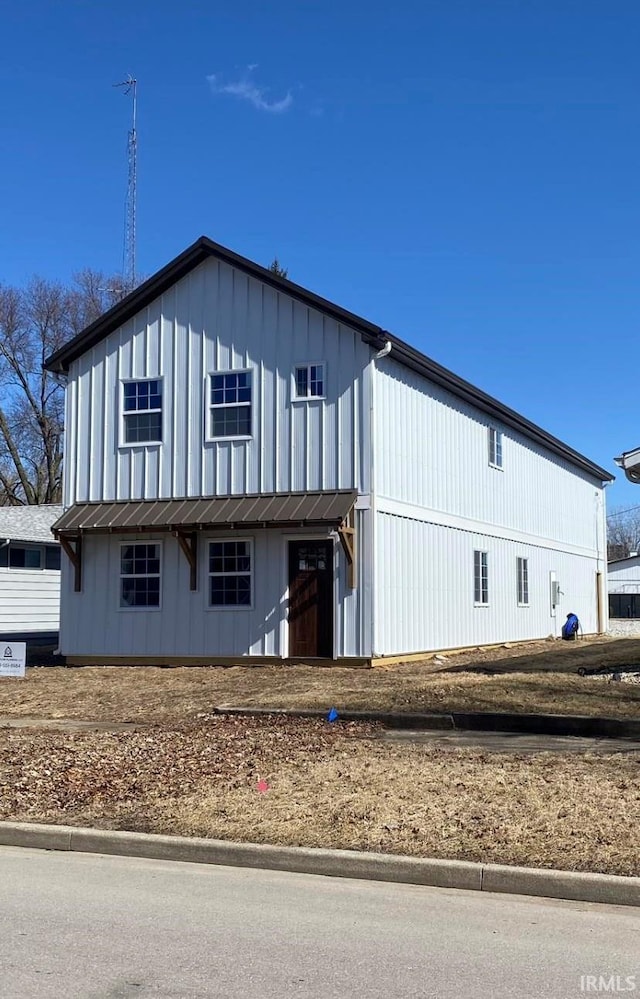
(271, 510)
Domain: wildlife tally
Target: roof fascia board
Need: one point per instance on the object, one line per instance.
(178, 268)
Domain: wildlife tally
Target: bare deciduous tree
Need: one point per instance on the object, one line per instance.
(34, 322)
(623, 532)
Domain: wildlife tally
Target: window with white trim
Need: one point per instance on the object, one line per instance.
(140, 574)
(16, 555)
(309, 381)
(229, 404)
(480, 577)
(495, 447)
(230, 573)
(522, 572)
(142, 411)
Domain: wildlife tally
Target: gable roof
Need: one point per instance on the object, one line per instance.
(374, 335)
(29, 523)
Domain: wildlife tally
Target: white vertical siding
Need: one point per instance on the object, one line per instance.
(29, 601)
(425, 595)
(431, 451)
(94, 625)
(437, 499)
(218, 318)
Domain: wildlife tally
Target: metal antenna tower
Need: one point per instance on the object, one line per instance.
(129, 247)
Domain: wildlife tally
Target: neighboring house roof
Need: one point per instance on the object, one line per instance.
(372, 334)
(629, 462)
(619, 561)
(266, 510)
(28, 523)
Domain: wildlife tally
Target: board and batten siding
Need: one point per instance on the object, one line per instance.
(218, 318)
(93, 624)
(29, 601)
(437, 499)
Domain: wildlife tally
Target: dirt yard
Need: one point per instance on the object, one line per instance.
(187, 771)
(329, 785)
(539, 677)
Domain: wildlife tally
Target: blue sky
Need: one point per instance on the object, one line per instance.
(466, 174)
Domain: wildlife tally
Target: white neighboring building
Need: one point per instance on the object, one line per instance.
(624, 595)
(253, 471)
(29, 573)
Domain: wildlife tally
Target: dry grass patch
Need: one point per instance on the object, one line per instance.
(336, 786)
(153, 694)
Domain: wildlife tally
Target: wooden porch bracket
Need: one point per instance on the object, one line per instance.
(189, 544)
(347, 535)
(75, 557)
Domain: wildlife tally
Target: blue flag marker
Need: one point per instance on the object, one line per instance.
(332, 716)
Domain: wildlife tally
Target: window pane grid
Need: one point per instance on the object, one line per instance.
(480, 577)
(495, 447)
(229, 574)
(142, 407)
(309, 379)
(523, 580)
(140, 575)
(230, 404)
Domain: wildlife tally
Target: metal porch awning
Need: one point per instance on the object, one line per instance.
(185, 518)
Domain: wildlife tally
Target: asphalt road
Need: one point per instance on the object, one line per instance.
(75, 926)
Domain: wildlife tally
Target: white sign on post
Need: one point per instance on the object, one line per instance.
(13, 658)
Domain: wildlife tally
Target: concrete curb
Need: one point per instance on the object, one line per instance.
(607, 888)
(476, 721)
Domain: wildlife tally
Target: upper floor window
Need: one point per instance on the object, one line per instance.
(495, 447)
(25, 556)
(309, 381)
(229, 404)
(142, 412)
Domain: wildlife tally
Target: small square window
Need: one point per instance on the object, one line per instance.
(495, 447)
(309, 381)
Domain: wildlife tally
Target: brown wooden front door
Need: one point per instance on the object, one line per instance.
(311, 598)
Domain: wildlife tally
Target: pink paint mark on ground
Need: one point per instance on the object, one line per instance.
(262, 786)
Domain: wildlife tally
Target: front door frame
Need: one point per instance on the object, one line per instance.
(329, 536)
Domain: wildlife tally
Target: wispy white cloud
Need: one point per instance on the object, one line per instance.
(248, 90)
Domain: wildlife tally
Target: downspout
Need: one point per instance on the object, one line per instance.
(384, 352)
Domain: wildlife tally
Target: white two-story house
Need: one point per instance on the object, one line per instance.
(253, 471)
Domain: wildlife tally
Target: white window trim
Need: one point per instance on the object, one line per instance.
(42, 545)
(139, 541)
(294, 381)
(234, 608)
(209, 406)
(498, 434)
(129, 444)
(519, 559)
(480, 603)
